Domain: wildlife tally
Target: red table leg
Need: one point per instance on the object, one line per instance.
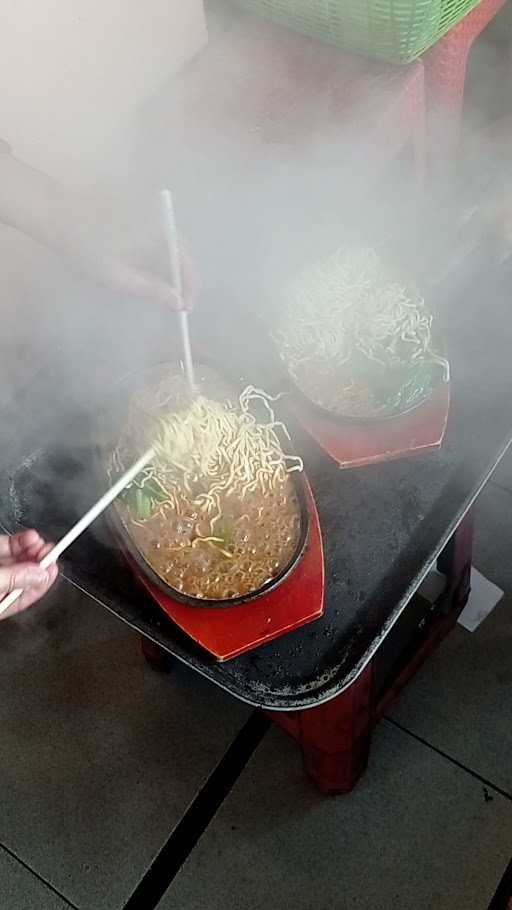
(455, 563)
(445, 75)
(335, 737)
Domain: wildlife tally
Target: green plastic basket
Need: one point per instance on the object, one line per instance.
(394, 30)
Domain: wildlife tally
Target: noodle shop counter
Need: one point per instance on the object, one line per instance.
(383, 527)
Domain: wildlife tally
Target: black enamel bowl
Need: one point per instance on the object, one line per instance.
(385, 377)
(439, 375)
(111, 421)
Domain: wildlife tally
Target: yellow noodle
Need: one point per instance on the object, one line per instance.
(347, 303)
(205, 450)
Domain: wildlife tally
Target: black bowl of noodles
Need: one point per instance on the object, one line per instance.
(358, 343)
(201, 545)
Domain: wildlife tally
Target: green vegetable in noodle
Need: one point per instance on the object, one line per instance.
(143, 499)
(225, 531)
(143, 505)
(414, 387)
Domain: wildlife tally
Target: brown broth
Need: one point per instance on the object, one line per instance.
(343, 398)
(261, 533)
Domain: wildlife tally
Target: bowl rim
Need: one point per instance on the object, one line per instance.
(361, 420)
(128, 543)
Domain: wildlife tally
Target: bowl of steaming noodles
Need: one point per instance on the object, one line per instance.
(356, 341)
(220, 516)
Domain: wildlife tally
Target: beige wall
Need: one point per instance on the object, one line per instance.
(74, 72)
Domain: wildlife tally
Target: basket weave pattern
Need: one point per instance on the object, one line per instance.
(394, 30)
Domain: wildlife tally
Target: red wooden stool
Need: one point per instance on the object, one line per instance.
(335, 736)
(445, 74)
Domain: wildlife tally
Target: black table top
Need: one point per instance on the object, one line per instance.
(382, 526)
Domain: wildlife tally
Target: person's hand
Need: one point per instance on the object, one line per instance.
(19, 558)
(119, 242)
(124, 248)
(124, 277)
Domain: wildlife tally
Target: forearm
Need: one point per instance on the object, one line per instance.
(96, 233)
(33, 203)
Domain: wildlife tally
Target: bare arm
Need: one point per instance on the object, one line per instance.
(33, 203)
(88, 231)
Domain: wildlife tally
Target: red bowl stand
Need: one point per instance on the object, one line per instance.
(227, 632)
(354, 445)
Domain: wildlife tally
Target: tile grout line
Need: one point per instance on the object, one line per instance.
(202, 810)
(37, 875)
(450, 758)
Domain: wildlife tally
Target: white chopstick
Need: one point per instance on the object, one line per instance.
(84, 522)
(174, 259)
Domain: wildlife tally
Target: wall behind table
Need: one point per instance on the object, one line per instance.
(74, 74)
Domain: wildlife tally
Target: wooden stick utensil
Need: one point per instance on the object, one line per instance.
(84, 522)
(174, 259)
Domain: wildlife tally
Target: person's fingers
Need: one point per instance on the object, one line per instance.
(32, 594)
(136, 281)
(139, 283)
(13, 545)
(21, 575)
(29, 555)
(5, 547)
(35, 551)
(45, 549)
